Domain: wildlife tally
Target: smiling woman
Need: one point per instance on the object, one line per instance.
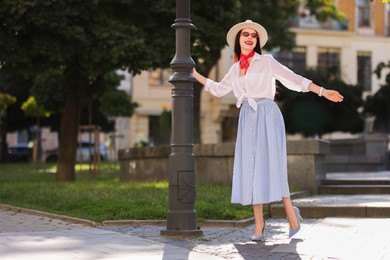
(260, 160)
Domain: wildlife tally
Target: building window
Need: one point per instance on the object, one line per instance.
(295, 59)
(364, 70)
(363, 13)
(160, 129)
(329, 59)
(156, 77)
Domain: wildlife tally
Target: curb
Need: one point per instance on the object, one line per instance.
(205, 223)
(50, 215)
(136, 223)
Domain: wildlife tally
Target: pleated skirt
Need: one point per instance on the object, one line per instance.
(260, 160)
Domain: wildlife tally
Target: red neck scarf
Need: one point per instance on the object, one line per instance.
(244, 63)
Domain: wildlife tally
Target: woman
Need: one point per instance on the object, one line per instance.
(260, 162)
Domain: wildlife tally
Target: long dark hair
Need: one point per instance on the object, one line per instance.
(237, 47)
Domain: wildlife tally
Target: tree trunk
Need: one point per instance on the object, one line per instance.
(68, 134)
(3, 140)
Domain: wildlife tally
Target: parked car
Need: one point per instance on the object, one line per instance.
(84, 153)
(19, 153)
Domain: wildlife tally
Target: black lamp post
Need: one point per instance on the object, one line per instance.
(181, 215)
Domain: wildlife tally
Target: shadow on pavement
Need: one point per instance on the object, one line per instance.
(269, 249)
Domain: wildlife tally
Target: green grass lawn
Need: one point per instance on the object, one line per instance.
(104, 197)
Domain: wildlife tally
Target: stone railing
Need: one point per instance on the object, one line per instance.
(214, 163)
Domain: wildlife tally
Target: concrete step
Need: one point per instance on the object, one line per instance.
(354, 163)
(321, 206)
(354, 189)
(355, 182)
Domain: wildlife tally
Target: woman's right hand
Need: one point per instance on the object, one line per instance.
(198, 77)
(333, 95)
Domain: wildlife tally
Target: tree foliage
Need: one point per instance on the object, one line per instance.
(33, 109)
(67, 47)
(5, 100)
(378, 105)
(310, 115)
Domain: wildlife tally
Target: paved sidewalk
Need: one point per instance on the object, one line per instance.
(25, 236)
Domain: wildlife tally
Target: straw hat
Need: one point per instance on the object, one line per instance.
(231, 35)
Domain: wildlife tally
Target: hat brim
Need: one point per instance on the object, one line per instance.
(231, 35)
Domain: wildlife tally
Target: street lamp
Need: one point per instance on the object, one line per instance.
(181, 215)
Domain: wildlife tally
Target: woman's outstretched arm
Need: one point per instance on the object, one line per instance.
(330, 94)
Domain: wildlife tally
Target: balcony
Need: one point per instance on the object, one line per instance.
(310, 22)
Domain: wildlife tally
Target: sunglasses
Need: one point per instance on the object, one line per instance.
(246, 34)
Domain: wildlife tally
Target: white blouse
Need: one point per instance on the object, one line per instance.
(259, 81)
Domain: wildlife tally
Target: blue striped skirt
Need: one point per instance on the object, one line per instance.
(260, 160)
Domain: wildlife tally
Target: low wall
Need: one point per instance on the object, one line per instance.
(306, 164)
(214, 163)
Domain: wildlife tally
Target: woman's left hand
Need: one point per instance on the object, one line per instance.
(333, 95)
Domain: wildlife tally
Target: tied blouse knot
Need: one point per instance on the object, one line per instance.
(246, 97)
(258, 82)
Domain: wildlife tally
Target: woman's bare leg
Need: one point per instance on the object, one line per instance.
(290, 212)
(259, 219)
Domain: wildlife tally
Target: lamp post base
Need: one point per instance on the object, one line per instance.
(182, 233)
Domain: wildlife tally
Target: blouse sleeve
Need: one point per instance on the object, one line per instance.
(222, 88)
(288, 78)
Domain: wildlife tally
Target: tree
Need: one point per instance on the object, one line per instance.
(5, 101)
(72, 45)
(378, 105)
(114, 103)
(14, 120)
(310, 115)
(32, 109)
